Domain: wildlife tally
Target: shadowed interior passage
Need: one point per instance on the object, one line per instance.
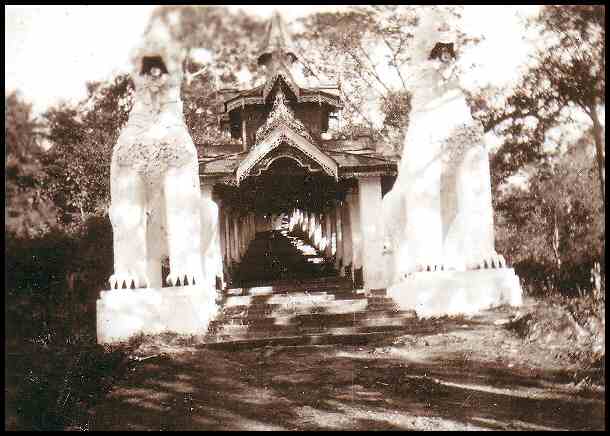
(279, 255)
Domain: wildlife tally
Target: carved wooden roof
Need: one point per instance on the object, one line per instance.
(257, 96)
(277, 55)
(283, 134)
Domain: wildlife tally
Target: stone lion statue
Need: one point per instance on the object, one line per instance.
(154, 180)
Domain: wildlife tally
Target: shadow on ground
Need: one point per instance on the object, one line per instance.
(329, 388)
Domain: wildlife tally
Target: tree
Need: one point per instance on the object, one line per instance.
(521, 123)
(575, 66)
(367, 49)
(77, 166)
(230, 37)
(568, 76)
(553, 221)
(201, 107)
(27, 212)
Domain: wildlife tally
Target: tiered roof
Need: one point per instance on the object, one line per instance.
(281, 133)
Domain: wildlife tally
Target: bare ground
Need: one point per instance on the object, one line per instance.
(471, 374)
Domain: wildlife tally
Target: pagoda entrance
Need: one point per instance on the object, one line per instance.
(282, 174)
(281, 224)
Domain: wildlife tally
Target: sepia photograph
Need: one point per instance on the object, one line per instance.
(305, 217)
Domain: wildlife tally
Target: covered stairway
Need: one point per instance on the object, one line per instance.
(286, 291)
(279, 255)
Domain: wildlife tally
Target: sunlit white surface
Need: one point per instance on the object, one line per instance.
(452, 293)
(124, 313)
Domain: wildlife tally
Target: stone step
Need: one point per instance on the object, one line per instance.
(390, 305)
(354, 318)
(382, 307)
(245, 334)
(235, 332)
(304, 302)
(278, 299)
(323, 309)
(315, 321)
(300, 340)
(315, 318)
(374, 302)
(347, 330)
(280, 327)
(310, 280)
(290, 288)
(287, 307)
(347, 295)
(379, 298)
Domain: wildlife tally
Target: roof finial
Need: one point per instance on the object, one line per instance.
(277, 42)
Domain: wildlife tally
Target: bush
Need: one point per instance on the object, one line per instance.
(541, 279)
(55, 278)
(56, 369)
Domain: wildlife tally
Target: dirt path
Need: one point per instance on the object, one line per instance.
(476, 375)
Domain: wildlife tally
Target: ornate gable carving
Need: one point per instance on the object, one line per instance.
(282, 127)
(280, 115)
(279, 135)
(285, 151)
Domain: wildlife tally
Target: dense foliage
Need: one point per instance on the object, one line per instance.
(567, 79)
(27, 212)
(551, 227)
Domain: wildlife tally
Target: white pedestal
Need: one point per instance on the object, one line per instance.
(457, 292)
(123, 313)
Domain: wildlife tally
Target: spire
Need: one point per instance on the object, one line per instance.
(276, 43)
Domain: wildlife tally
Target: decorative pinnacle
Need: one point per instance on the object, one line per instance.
(277, 42)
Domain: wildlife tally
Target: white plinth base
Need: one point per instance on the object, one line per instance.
(457, 292)
(123, 313)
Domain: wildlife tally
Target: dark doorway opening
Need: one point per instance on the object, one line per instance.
(277, 253)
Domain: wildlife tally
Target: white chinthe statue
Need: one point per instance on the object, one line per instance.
(444, 180)
(439, 216)
(154, 177)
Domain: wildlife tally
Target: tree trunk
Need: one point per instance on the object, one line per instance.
(556, 249)
(599, 149)
(556, 242)
(598, 134)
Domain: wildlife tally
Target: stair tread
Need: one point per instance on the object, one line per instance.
(303, 339)
(298, 328)
(314, 305)
(365, 314)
